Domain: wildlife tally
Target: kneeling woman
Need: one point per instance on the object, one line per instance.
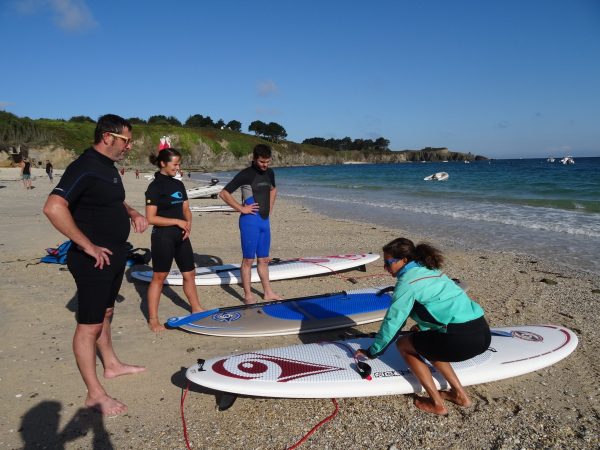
(168, 210)
(450, 326)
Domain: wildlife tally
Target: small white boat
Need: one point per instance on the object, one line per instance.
(550, 160)
(567, 160)
(438, 176)
(212, 190)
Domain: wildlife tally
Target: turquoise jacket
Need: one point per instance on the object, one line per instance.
(428, 297)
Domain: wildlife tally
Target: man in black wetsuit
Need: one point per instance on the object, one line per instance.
(88, 206)
(258, 197)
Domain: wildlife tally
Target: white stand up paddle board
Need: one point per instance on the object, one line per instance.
(278, 270)
(328, 369)
(212, 208)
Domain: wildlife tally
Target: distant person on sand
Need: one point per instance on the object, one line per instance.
(137, 173)
(26, 173)
(88, 206)
(450, 326)
(258, 198)
(50, 171)
(167, 208)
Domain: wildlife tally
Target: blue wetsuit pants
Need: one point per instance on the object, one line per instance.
(255, 234)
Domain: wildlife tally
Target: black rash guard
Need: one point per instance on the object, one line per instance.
(94, 190)
(168, 195)
(256, 184)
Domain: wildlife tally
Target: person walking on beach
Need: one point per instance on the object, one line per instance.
(137, 173)
(167, 208)
(88, 206)
(50, 171)
(26, 173)
(450, 326)
(257, 183)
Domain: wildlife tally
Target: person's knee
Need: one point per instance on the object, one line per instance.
(404, 345)
(247, 262)
(109, 313)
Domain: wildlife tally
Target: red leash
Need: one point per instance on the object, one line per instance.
(317, 426)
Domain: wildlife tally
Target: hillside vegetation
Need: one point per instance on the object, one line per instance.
(202, 148)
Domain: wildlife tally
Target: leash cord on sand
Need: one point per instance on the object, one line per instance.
(185, 433)
(317, 426)
(296, 445)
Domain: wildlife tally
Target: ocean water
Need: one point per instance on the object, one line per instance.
(547, 210)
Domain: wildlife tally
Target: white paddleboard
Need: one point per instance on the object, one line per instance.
(212, 208)
(438, 176)
(328, 369)
(278, 270)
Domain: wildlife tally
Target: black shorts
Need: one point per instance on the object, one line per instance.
(97, 289)
(461, 341)
(168, 244)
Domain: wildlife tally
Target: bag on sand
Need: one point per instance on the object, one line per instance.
(57, 255)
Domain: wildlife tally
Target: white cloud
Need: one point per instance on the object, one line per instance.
(267, 87)
(69, 15)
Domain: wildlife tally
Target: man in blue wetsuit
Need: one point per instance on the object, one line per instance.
(257, 183)
(88, 206)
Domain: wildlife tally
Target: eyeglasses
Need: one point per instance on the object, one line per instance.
(389, 262)
(120, 136)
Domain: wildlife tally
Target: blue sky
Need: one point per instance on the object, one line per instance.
(498, 78)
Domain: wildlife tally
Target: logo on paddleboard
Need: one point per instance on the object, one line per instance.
(527, 336)
(256, 366)
(226, 316)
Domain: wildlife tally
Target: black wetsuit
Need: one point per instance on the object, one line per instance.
(255, 229)
(93, 188)
(168, 195)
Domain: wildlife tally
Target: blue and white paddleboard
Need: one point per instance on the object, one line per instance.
(293, 316)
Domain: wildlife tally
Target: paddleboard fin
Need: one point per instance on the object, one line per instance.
(225, 400)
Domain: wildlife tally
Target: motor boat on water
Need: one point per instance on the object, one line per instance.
(438, 176)
(567, 160)
(550, 160)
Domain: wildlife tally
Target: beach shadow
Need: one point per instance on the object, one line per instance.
(223, 400)
(39, 427)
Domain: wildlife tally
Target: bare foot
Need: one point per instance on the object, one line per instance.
(455, 397)
(427, 405)
(249, 300)
(123, 369)
(272, 296)
(106, 405)
(156, 326)
(196, 310)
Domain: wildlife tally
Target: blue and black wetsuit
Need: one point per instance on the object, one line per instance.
(94, 191)
(168, 195)
(255, 229)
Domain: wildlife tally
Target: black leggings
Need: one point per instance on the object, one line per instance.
(167, 244)
(462, 341)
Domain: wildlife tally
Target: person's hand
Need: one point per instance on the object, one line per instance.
(186, 227)
(360, 353)
(250, 209)
(139, 222)
(415, 328)
(100, 254)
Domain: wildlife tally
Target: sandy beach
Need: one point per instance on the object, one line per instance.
(42, 394)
